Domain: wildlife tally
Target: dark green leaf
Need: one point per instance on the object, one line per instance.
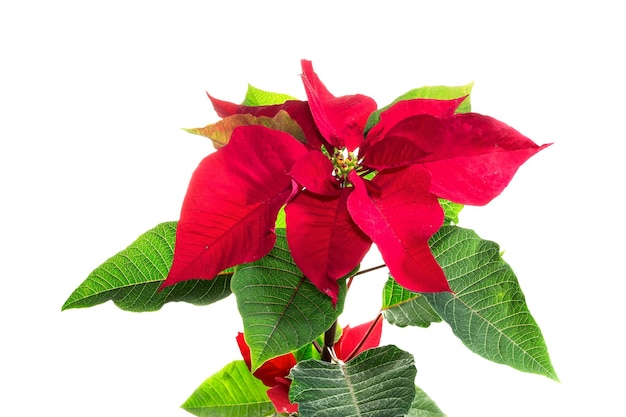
(379, 382)
(231, 392)
(402, 307)
(281, 310)
(423, 406)
(487, 309)
(440, 92)
(132, 277)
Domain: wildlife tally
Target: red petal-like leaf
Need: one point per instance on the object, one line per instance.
(400, 220)
(392, 152)
(471, 157)
(478, 156)
(279, 395)
(244, 349)
(231, 205)
(314, 172)
(297, 110)
(362, 337)
(274, 368)
(341, 120)
(403, 110)
(325, 242)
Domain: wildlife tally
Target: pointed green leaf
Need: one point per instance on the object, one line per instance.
(402, 307)
(131, 278)
(451, 211)
(487, 309)
(281, 310)
(379, 382)
(258, 97)
(281, 219)
(441, 92)
(231, 392)
(423, 406)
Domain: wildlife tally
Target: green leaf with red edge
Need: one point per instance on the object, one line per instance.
(440, 92)
(487, 309)
(298, 110)
(281, 310)
(231, 392)
(257, 97)
(132, 277)
(220, 132)
(402, 307)
(380, 382)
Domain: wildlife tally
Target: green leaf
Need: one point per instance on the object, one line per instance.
(423, 406)
(281, 219)
(379, 382)
(451, 211)
(440, 92)
(402, 307)
(281, 310)
(231, 392)
(258, 97)
(487, 309)
(131, 278)
(307, 352)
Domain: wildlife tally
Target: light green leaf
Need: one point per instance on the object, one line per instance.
(132, 277)
(379, 382)
(281, 310)
(451, 211)
(231, 392)
(423, 406)
(487, 309)
(402, 307)
(258, 97)
(281, 219)
(440, 92)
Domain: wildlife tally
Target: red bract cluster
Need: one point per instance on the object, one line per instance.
(342, 188)
(274, 372)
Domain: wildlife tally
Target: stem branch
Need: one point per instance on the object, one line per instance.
(374, 268)
(329, 341)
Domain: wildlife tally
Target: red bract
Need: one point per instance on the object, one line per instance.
(344, 188)
(231, 205)
(272, 373)
(355, 340)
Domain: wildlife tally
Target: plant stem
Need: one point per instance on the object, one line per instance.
(329, 341)
(365, 271)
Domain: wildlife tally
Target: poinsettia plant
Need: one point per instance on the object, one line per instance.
(282, 215)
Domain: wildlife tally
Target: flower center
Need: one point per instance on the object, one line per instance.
(344, 162)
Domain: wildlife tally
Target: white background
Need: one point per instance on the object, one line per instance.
(92, 99)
